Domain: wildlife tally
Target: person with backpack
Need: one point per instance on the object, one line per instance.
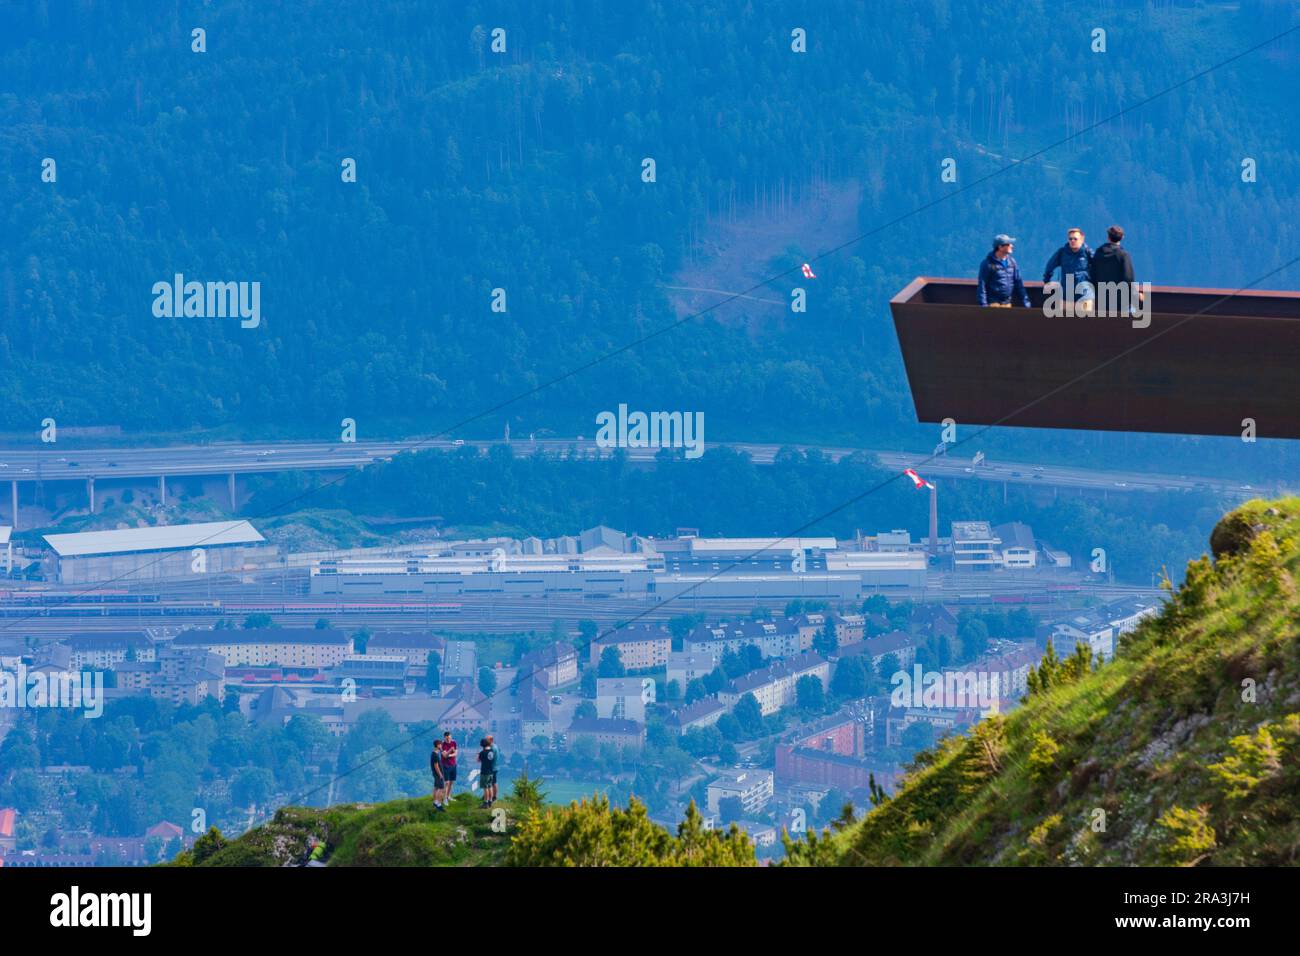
(1112, 265)
(439, 778)
(488, 758)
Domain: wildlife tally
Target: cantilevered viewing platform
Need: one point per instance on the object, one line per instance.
(1209, 359)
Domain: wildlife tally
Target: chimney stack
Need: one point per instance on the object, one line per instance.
(934, 518)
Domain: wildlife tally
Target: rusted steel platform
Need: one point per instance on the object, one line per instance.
(1209, 359)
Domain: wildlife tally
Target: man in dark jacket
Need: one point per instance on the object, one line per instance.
(1111, 263)
(1073, 259)
(999, 281)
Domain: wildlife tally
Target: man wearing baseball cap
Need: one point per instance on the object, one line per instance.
(1000, 284)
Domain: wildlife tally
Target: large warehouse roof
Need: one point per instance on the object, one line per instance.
(161, 538)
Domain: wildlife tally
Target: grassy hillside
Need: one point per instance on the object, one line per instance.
(517, 831)
(400, 833)
(1183, 750)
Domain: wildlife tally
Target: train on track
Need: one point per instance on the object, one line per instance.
(103, 603)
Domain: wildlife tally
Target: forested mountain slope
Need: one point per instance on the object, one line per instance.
(522, 171)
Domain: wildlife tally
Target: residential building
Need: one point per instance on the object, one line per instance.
(624, 697)
(753, 787)
(703, 713)
(102, 650)
(8, 838)
(535, 709)
(135, 677)
(944, 720)
(873, 650)
(556, 663)
(608, 730)
(936, 619)
(640, 646)
(263, 646)
(772, 638)
(762, 835)
(849, 628)
(1125, 615)
(1090, 628)
(686, 666)
(414, 646)
(774, 686)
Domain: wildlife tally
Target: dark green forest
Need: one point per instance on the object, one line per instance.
(521, 170)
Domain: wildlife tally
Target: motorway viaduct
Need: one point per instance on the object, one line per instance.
(231, 459)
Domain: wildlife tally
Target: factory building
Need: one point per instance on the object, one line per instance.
(509, 575)
(167, 551)
(610, 563)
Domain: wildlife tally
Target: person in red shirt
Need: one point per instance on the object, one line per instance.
(448, 765)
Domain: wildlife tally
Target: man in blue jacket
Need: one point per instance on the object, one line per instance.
(1073, 259)
(1000, 284)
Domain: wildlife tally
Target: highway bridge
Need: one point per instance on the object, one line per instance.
(55, 463)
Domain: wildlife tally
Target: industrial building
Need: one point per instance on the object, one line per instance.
(522, 575)
(166, 551)
(741, 568)
(975, 546)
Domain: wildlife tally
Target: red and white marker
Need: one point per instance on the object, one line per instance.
(807, 272)
(918, 480)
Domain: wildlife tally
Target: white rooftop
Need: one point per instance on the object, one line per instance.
(161, 538)
(782, 546)
(5, 531)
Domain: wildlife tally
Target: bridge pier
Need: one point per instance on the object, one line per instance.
(230, 481)
(15, 500)
(162, 489)
(90, 491)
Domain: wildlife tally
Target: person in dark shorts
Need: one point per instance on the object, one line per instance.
(439, 781)
(488, 756)
(448, 764)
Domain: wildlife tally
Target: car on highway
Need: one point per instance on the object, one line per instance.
(458, 442)
(1121, 484)
(557, 699)
(968, 470)
(3, 465)
(1015, 474)
(1038, 467)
